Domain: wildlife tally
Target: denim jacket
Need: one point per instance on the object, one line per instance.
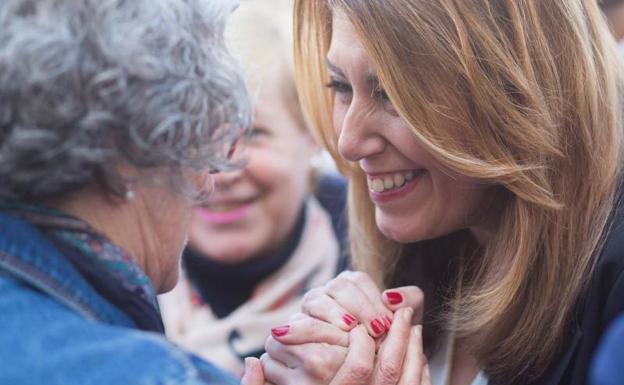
(55, 329)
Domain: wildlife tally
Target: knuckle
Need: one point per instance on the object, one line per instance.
(345, 274)
(316, 363)
(296, 317)
(312, 294)
(418, 294)
(389, 371)
(335, 285)
(309, 308)
(307, 324)
(359, 372)
(359, 277)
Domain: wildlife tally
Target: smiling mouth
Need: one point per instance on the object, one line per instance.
(392, 181)
(223, 206)
(226, 213)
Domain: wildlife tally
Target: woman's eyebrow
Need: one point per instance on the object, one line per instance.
(334, 68)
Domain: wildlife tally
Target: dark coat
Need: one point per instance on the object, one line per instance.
(601, 304)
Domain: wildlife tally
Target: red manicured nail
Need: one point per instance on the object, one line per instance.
(394, 297)
(377, 326)
(280, 331)
(348, 319)
(387, 322)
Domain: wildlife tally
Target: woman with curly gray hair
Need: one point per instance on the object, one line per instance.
(112, 115)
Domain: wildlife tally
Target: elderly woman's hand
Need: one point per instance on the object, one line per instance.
(300, 359)
(353, 297)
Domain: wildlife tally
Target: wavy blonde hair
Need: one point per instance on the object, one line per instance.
(532, 90)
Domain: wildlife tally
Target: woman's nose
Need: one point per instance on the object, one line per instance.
(226, 179)
(361, 133)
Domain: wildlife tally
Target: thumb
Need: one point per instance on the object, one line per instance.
(254, 375)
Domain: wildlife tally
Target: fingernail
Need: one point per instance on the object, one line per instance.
(387, 322)
(248, 363)
(418, 329)
(248, 370)
(280, 331)
(427, 371)
(377, 326)
(407, 314)
(394, 297)
(348, 319)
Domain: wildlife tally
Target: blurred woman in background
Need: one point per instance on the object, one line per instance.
(273, 229)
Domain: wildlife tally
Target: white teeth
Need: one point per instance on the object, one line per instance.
(377, 185)
(399, 180)
(390, 181)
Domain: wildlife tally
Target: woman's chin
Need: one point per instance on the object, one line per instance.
(400, 233)
(231, 254)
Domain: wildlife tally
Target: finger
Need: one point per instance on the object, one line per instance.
(356, 302)
(253, 372)
(320, 361)
(426, 376)
(406, 296)
(415, 359)
(282, 353)
(308, 330)
(276, 372)
(370, 288)
(358, 365)
(392, 352)
(297, 317)
(319, 305)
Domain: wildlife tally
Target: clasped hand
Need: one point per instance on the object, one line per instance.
(349, 333)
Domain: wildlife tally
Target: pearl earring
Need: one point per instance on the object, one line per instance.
(129, 194)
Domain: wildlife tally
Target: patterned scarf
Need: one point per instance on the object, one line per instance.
(112, 272)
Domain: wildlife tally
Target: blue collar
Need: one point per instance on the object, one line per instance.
(26, 255)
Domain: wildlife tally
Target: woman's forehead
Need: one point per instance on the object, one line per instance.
(346, 52)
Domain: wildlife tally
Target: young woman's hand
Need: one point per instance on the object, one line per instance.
(353, 298)
(400, 360)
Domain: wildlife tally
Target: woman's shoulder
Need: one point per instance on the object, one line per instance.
(607, 364)
(85, 349)
(608, 277)
(600, 304)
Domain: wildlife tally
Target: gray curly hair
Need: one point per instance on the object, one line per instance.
(84, 83)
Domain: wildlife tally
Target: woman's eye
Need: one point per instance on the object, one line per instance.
(257, 134)
(339, 87)
(382, 97)
(342, 89)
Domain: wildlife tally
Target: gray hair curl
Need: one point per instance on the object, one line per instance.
(86, 82)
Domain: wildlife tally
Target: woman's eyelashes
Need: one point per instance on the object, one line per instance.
(382, 98)
(257, 134)
(344, 93)
(342, 89)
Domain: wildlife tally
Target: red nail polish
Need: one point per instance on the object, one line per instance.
(394, 297)
(387, 322)
(280, 331)
(377, 326)
(348, 319)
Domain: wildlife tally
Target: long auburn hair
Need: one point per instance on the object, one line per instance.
(533, 91)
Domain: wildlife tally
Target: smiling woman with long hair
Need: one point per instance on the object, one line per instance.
(483, 145)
